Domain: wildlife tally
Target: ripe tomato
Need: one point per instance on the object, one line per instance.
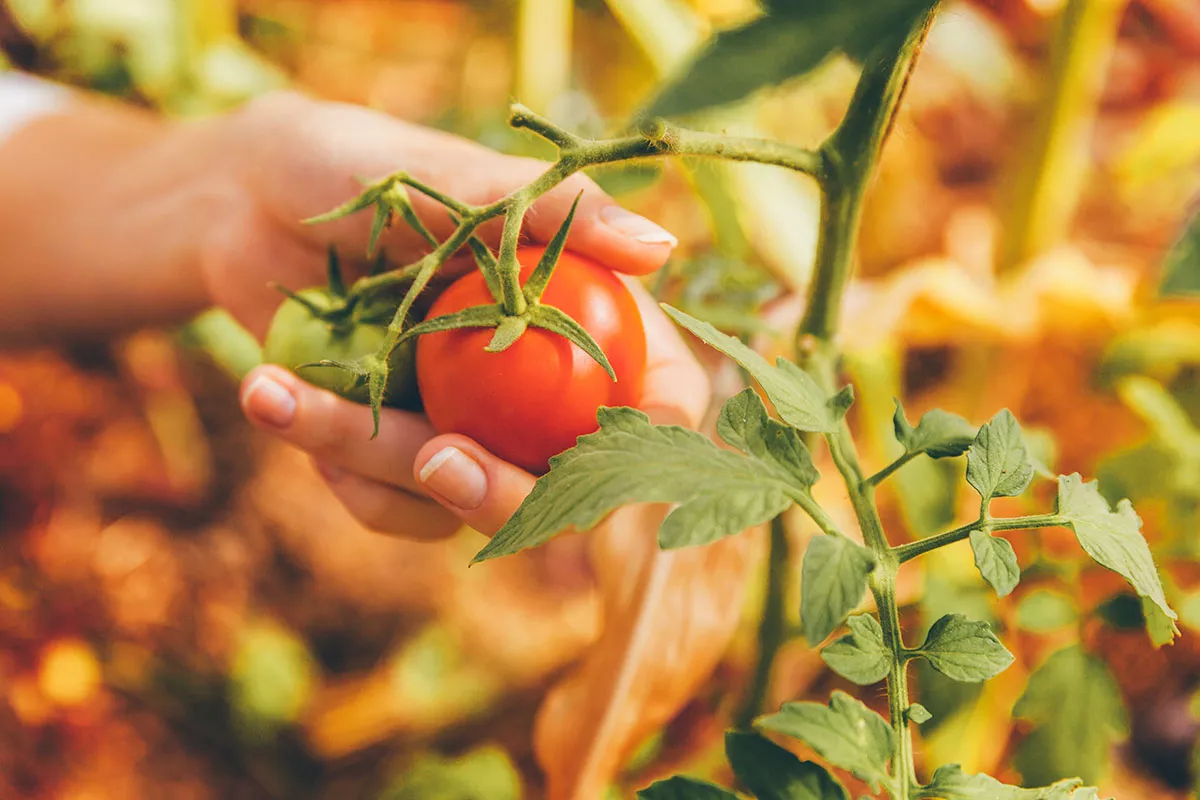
(533, 400)
(297, 337)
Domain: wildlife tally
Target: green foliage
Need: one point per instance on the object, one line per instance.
(964, 650)
(1113, 539)
(770, 772)
(1046, 610)
(845, 733)
(1181, 267)
(951, 783)
(482, 774)
(861, 655)
(998, 463)
(832, 583)
(719, 493)
(997, 562)
(938, 434)
(1076, 708)
(797, 398)
(683, 788)
(271, 680)
(795, 38)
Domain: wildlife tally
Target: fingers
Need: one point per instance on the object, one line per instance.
(480, 489)
(387, 509)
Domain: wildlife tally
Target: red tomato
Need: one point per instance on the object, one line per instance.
(533, 400)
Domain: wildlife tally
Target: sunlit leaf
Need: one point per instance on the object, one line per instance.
(950, 782)
(997, 562)
(860, 656)
(998, 462)
(965, 650)
(939, 434)
(833, 580)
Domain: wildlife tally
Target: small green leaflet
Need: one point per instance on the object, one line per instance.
(939, 434)
(795, 39)
(719, 493)
(845, 733)
(951, 783)
(998, 462)
(860, 656)
(1114, 540)
(832, 582)
(772, 773)
(1181, 267)
(793, 392)
(684, 788)
(997, 562)
(1076, 706)
(919, 714)
(965, 650)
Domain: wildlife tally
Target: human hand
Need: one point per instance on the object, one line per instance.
(297, 158)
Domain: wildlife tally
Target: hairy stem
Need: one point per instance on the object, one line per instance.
(907, 552)
(773, 627)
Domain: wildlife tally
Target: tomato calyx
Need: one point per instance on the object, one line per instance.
(390, 199)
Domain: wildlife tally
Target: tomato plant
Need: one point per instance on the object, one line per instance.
(534, 399)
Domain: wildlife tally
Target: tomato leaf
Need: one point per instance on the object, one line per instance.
(556, 321)
(965, 650)
(833, 580)
(681, 787)
(918, 713)
(536, 285)
(860, 656)
(939, 434)
(998, 462)
(845, 733)
(794, 39)
(719, 493)
(997, 562)
(950, 782)
(773, 773)
(795, 395)
(1181, 267)
(1113, 538)
(1075, 704)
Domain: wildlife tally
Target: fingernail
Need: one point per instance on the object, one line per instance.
(329, 472)
(455, 476)
(636, 226)
(269, 402)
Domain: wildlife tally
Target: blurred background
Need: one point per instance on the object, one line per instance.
(186, 613)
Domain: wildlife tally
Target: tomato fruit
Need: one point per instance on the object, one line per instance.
(297, 336)
(533, 400)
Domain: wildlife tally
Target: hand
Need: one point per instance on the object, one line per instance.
(299, 158)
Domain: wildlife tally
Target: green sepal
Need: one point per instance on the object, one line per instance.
(333, 270)
(376, 384)
(382, 219)
(507, 332)
(395, 198)
(353, 206)
(486, 262)
(556, 321)
(536, 285)
(473, 317)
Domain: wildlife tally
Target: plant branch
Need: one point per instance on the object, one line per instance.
(882, 475)
(907, 552)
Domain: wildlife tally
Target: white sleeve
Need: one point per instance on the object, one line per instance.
(24, 98)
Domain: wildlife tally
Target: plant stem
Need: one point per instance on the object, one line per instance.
(907, 552)
(882, 475)
(772, 628)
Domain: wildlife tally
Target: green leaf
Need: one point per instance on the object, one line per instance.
(965, 650)
(558, 321)
(861, 655)
(719, 493)
(919, 714)
(1045, 611)
(833, 580)
(845, 733)
(684, 788)
(486, 773)
(950, 782)
(772, 773)
(1181, 267)
(795, 395)
(743, 423)
(939, 434)
(1112, 538)
(998, 462)
(997, 562)
(1076, 706)
(770, 50)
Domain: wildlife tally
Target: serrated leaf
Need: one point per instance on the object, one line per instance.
(965, 650)
(939, 434)
(1181, 267)
(998, 462)
(795, 395)
(719, 493)
(861, 655)
(773, 773)
(743, 423)
(997, 562)
(770, 50)
(950, 782)
(845, 733)
(681, 787)
(833, 580)
(557, 321)
(1113, 538)
(1076, 706)
(919, 714)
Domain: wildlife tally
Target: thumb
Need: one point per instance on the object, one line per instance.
(480, 489)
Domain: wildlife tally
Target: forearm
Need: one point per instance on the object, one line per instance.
(103, 211)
